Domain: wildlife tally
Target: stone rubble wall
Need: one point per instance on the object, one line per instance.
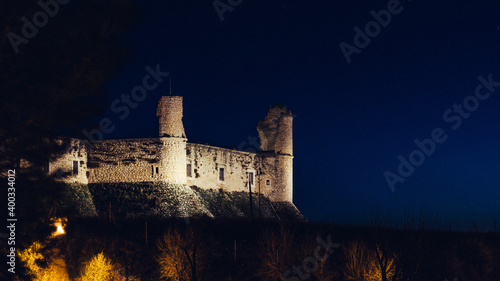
(125, 160)
(170, 116)
(166, 158)
(173, 160)
(284, 139)
(206, 161)
(276, 136)
(62, 167)
(275, 130)
(283, 189)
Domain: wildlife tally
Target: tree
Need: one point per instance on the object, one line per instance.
(184, 255)
(362, 262)
(100, 268)
(276, 252)
(43, 267)
(399, 249)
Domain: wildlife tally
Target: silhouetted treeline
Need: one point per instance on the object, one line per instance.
(207, 249)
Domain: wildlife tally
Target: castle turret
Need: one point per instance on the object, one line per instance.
(283, 144)
(173, 156)
(170, 113)
(275, 132)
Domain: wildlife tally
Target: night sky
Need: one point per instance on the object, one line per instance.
(352, 120)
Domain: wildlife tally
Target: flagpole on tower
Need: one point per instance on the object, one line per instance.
(170, 81)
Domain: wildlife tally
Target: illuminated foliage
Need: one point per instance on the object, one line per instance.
(361, 263)
(32, 256)
(376, 267)
(99, 268)
(183, 256)
(171, 261)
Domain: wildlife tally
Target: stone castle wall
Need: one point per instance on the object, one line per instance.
(169, 158)
(276, 135)
(64, 166)
(173, 160)
(206, 164)
(126, 160)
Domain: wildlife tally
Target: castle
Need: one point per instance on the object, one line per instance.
(169, 158)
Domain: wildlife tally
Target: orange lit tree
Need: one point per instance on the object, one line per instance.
(184, 254)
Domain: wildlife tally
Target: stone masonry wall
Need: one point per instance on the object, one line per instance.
(63, 166)
(284, 139)
(126, 160)
(283, 189)
(170, 158)
(269, 175)
(170, 114)
(276, 137)
(275, 129)
(173, 160)
(165, 159)
(206, 162)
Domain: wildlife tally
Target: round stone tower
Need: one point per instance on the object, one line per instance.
(284, 158)
(275, 132)
(283, 144)
(173, 154)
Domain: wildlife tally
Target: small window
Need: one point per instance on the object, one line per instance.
(268, 182)
(250, 178)
(221, 174)
(75, 167)
(188, 170)
(154, 170)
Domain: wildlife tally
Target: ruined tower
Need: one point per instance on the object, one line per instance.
(173, 155)
(275, 132)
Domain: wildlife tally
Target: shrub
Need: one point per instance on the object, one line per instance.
(32, 257)
(99, 268)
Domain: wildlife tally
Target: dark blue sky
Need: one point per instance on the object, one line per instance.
(354, 119)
